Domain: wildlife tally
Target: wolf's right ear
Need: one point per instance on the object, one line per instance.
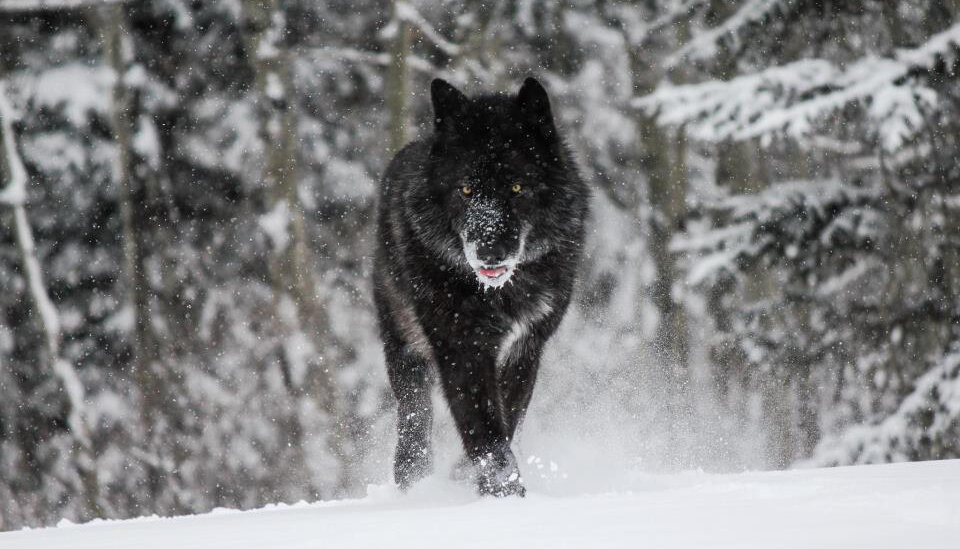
(534, 101)
(448, 102)
(535, 106)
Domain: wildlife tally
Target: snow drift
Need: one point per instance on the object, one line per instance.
(901, 505)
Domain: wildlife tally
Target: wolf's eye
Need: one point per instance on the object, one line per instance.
(466, 190)
(516, 188)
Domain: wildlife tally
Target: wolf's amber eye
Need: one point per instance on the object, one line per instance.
(516, 188)
(466, 190)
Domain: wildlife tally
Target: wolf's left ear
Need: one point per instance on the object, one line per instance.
(534, 102)
(535, 106)
(448, 102)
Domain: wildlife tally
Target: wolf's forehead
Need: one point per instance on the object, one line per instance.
(490, 142)
(498, 146)
(493, 163)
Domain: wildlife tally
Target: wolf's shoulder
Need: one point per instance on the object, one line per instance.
(409, 164)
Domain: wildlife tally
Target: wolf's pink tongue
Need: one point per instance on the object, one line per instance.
(492, 273)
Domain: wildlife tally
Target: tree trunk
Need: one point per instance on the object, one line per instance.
(292, 262)
(663, 159)
(157, 410)
(118, 52)
(397, 85)
(666, 169)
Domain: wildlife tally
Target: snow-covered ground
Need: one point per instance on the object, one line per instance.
(898, 506)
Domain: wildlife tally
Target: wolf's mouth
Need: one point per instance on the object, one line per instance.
(493, 272)
(498, 272)
(493, 277)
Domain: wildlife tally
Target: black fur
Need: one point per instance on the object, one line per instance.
(436, 319)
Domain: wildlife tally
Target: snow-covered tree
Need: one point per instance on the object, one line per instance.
(834, 270)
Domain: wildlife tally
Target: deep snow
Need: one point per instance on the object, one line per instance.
(877, 506)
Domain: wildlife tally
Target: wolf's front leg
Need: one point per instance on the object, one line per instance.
(470, 386)
(410, 380)
(517, 377)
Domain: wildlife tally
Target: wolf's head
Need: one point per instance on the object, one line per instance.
(495, 185)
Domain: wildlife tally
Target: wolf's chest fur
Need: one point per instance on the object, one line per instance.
(459, 309)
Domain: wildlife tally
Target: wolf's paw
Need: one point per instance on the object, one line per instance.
(410, 466)
(463, 470)
(511, 487)
(498, 475)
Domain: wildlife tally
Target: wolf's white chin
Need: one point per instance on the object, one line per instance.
(494, 282)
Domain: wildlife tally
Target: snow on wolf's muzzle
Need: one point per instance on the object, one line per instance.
(492, 242)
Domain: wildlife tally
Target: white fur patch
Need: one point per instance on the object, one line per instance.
(521, 327)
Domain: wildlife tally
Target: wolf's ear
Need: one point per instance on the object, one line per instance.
(535, 107)
(448, 102)
(534, 102)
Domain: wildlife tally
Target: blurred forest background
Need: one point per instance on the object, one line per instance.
(186, 190)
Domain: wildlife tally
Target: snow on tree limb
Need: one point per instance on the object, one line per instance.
(639, 31)
(793, 98)
(704, 45)
(715, 110)
(37, 5)
(15, 191)
(408, 13)
(931, 411)
(24, 236)
(77, 89)
(34, 275)
(14, 195)
(776, 221)
(381, 59)
(353, 55)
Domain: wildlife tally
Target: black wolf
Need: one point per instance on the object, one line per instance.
(480, 232)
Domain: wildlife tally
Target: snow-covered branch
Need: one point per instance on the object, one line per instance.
(409, 14)
(716, 110)
(14, 195)
(779, 220)
(793, 98)
(638, 31)
(38, 5)
(15, 191)
(704, 46)
(16, 188)
(78, 90)
(380, 59)
(931, 412)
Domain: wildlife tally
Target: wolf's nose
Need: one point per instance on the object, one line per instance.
(492, 254)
